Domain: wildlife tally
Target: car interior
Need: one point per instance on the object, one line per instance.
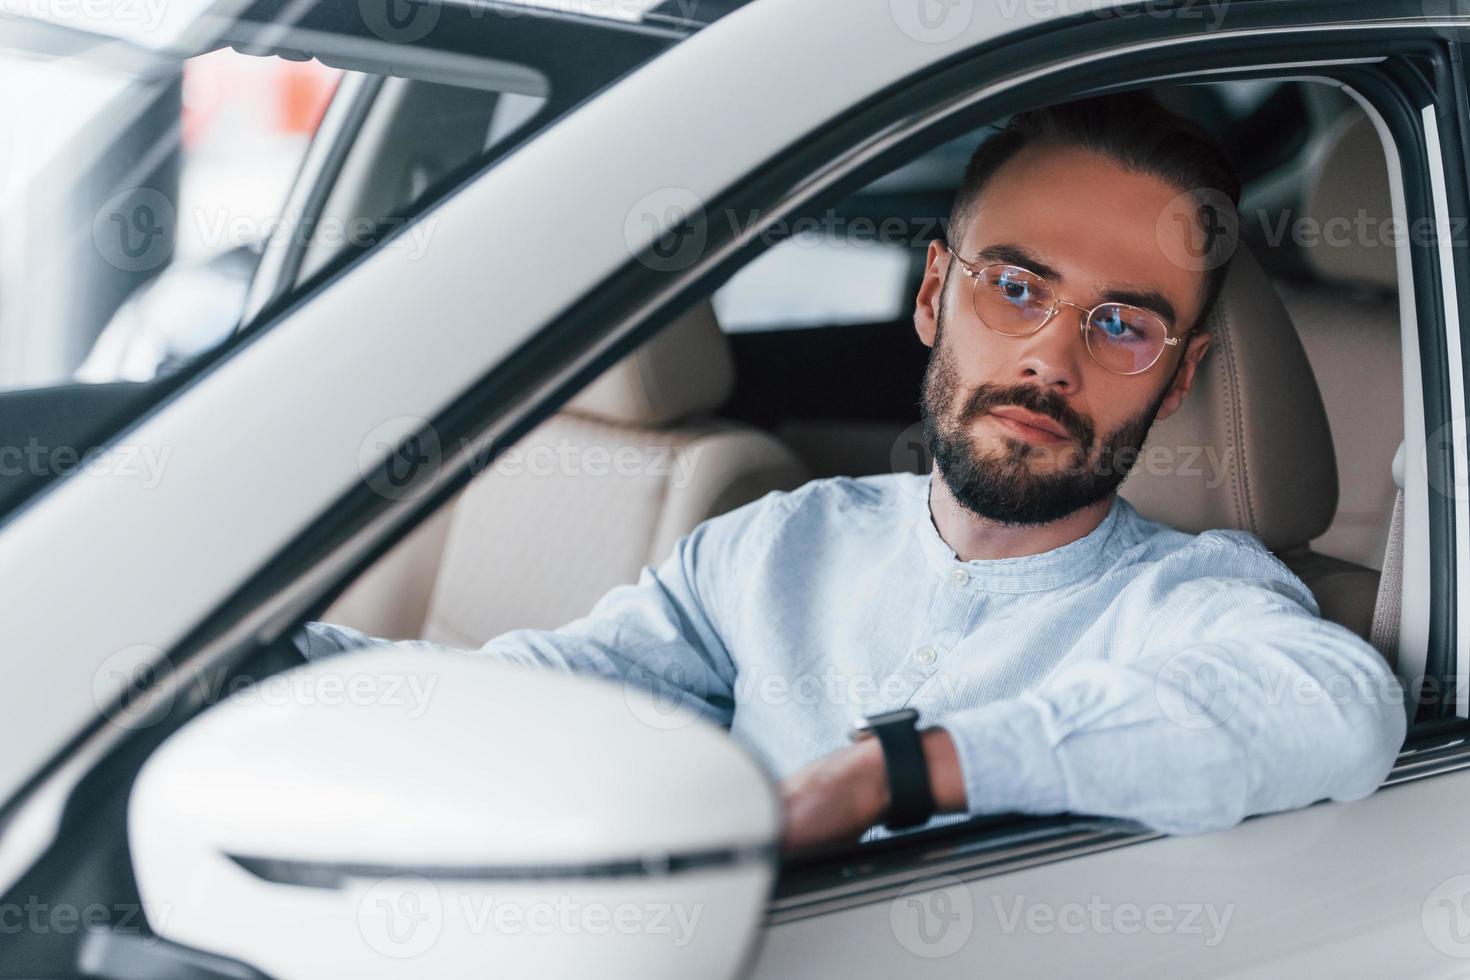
(805, 365)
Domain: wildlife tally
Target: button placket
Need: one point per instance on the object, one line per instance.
(942, 628)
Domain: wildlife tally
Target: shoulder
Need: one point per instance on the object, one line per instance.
(880, 493)
(836, 505)
(848, 505)
(1211, 560)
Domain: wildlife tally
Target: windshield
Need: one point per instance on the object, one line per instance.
(177, 173)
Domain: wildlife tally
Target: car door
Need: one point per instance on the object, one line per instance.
(252, 532)
(1374, 888)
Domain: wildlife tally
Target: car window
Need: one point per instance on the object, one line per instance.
(857, 263)
(822, 284)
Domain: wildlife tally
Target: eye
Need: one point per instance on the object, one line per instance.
(1014, 289)
(1114, 327)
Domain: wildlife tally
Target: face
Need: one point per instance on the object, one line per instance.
(1092, 230)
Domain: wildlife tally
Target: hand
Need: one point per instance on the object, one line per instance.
(836, 798)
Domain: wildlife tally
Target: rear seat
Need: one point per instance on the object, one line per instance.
(581, 504)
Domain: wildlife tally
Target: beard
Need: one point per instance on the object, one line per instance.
(1004, 486)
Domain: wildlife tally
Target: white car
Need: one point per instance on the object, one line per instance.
(551, 185)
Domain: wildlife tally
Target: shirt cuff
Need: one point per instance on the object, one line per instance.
(317, 641)
(1008, 758)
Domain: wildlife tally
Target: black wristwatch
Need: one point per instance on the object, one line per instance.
(911, 801)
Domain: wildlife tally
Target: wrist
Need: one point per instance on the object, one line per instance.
(870, 779)
(946, 781)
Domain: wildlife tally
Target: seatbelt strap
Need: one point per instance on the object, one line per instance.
(1387, 609)
(1384, 634)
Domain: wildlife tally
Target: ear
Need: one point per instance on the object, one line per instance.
(1184, 379)
(931, 293)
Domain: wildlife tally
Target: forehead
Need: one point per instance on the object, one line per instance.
(1092, 221)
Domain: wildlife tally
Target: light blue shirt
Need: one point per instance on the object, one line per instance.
(1183, 681)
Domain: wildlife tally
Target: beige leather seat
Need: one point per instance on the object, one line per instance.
(582, 503)
(1251, 448)
(1348, 321)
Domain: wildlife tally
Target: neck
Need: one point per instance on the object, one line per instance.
(973, 537)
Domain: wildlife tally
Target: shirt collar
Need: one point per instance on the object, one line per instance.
(1029, 573)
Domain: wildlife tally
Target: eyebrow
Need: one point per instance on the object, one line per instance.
(1149, 299)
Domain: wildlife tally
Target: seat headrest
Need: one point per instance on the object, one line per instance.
(1347, 202)
(685, 369)
(1250, 448)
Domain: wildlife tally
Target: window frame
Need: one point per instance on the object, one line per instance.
(925, 118)
(1439, 739)
(1348, 60)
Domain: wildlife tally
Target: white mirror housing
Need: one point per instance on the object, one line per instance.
(409, 814)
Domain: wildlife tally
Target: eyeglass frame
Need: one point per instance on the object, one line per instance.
(975, 274)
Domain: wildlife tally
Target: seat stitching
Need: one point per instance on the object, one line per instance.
(1245, 511)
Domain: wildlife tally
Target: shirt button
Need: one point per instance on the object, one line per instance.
(959, 577)
(927, 655)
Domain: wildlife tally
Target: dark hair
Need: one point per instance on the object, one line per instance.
(1141, 135)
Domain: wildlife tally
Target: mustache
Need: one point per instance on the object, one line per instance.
(987, 397)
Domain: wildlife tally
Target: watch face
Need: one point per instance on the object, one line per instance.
(901, 716)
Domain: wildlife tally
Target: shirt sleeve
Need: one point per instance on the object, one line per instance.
(1232, 697)
(662, 635)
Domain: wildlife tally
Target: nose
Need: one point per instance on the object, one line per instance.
(1050, 358)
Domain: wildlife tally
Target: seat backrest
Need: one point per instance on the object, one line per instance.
(1347, 317)
(582, 503)
(1251, 448)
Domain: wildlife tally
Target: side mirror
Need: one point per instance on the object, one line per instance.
(409, 814)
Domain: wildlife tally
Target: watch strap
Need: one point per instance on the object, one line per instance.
(911, 801)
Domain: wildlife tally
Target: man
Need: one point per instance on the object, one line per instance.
(1061, 652)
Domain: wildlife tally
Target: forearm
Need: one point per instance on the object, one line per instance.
(1282, 722)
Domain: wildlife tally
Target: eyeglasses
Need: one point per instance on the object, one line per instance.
(1015, 302)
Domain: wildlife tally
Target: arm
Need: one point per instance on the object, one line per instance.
(664, 634)
(1239, 700)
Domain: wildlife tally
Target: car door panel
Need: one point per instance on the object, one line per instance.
(1373, 888)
